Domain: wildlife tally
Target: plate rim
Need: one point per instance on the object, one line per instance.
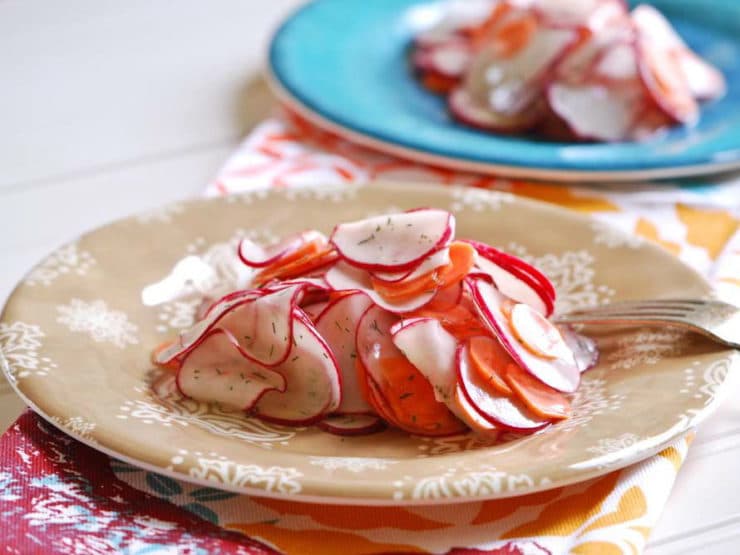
(656, 443)
(293, 101)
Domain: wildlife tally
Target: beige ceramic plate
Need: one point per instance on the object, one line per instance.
(76, 339)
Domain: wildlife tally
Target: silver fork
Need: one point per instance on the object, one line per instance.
(717, 320)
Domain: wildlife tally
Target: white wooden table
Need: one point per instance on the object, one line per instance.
(109, 108)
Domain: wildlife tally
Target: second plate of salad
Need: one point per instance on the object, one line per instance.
(587, 90)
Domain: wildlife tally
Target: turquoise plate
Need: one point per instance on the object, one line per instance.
(342, 64)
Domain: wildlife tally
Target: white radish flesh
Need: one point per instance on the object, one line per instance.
(561, 373)
(313, 386)
(450, 59)
(467, 110)
(216, 370)
(513, 287)
(584, 348)
(394, 242)
(431, 349)
(338, 326)
(258, 256)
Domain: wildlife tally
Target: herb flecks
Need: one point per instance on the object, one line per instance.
(367, 239)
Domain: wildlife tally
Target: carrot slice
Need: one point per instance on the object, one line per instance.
(174, 364)
(462, 258)
(437, 83)
(411, 398)
(480, 35)
(458, 320)
(536, 333)
(514, 35)
(296, 267)
(541, 399)
(490, 359)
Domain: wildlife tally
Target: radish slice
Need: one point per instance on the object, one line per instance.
(344, 277)
(263, 326)
(537, 333)
(337, 324)
(510, 84)
(617, 62)
(596, 111)
(373, 340)
(394, 242)
(227, 300)
(460, 406)
(593, 14)
(257, 256)
(216, 370)
(516, 278)
(431, 349)
(661, 73)
(561, 373)
(313, 382)
(704, 80)
(313, 310)
(584, 348)
(352, 424)
(429, 264)
(449, 59)
(466, 110)
(496, 408)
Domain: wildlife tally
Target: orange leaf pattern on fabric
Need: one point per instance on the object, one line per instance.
(326, 542)
(632, 505)
(596, 548)
(649, 231)
(709, 229)
(554, 520)
(557, 194)
(497, 509)
(672, 454)
(354, 518)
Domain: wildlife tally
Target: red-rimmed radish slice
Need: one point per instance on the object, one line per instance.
(313, 382)
(509, 83)
(430, 263)
(500, 410)
(189, 337)
(394, 242)
(460, 406)
(516, 278)
(616, 62)
(596, 111)
(520, 268)
(216, 370)
(561, 373)
(704, 80)
(449, 59)
(446, 298)
(228, 300)
(541, 400)
(396, 387)
(444, 20)
(431, 349)
(343, 277)
(537, 333)
(263, 326)
(258, 256)
(584, 348)
(313, 310)
(352, 424)
(337, 324)
(665, 82)
(466, 110)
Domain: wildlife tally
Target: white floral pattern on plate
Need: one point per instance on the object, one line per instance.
(68, 260)
(20, 346)
(647, 346)
(99, 322)
(351, 464)
(478, 200)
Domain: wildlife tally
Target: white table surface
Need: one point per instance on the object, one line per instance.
(109, 108)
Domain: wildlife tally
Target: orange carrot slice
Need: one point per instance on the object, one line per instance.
(296, 267)
(174, 364)
(514, 35)
(437, 83)
(462, 258)
(458, 320)
(411, 399)
(480, 35)
(536, 332)
(541, 399)
(490, 359)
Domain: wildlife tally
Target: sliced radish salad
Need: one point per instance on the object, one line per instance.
(567, 69)
(390, 320)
